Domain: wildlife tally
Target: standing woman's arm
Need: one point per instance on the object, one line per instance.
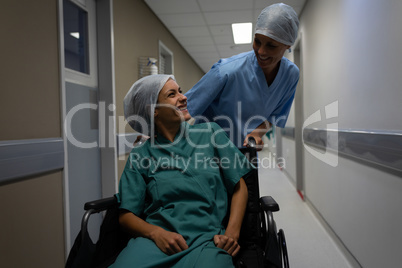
(205, 91)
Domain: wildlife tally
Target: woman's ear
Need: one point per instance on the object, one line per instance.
(156, 112)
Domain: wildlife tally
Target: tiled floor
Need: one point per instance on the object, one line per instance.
(309, 244)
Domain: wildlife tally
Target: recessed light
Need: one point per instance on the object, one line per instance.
(242, 32)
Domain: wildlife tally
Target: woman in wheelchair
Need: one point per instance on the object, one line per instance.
(178, 186)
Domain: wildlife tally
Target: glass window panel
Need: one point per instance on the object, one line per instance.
(76, 54)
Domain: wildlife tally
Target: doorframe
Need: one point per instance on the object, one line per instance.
(106, 107)
(299, 117)
(107, 95)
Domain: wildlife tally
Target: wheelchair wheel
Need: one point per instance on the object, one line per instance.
(283, 247)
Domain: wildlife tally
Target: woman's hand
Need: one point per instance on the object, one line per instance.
(227, 243)
(258, 140)
(169, 242)
(257, 134)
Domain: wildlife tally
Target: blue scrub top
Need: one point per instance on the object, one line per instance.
(235, 95)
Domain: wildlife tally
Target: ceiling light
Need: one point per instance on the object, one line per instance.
(242, 32)
(75, 34)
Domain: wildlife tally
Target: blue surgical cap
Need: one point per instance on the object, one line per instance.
(279, 22)
(140, 101)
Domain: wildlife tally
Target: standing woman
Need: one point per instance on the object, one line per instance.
(248, 92)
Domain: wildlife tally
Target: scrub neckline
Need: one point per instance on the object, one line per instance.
(182, 131)
(262, 76)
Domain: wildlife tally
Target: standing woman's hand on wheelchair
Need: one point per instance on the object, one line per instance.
(257, 134)
(259, 143)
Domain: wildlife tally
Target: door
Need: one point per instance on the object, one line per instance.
(81, 121)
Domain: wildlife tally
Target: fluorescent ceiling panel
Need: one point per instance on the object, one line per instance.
(242, 32)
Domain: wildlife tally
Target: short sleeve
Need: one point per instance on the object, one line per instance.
(233, 163)
(132, 189)
(200, 97)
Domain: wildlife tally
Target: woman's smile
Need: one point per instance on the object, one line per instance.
(264, 60)
(268, 51)
(182, 108)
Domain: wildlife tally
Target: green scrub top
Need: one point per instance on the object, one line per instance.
(182, 187)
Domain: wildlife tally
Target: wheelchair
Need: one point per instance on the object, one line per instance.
(261, 245)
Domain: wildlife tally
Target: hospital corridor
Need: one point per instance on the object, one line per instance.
(314, 245)
(184, 117)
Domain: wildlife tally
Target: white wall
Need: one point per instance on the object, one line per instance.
(289, 155)
(351, 54)
(289, 148)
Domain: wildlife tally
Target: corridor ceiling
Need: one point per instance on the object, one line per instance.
(203, 27)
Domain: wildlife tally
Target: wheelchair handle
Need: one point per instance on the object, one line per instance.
(251, 142)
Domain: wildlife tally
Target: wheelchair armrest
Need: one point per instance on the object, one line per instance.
(269, 204)
(95, 206)
(101, 204)
(272, 249)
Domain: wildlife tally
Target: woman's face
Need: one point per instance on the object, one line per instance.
(268, 51)
(172, 104)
